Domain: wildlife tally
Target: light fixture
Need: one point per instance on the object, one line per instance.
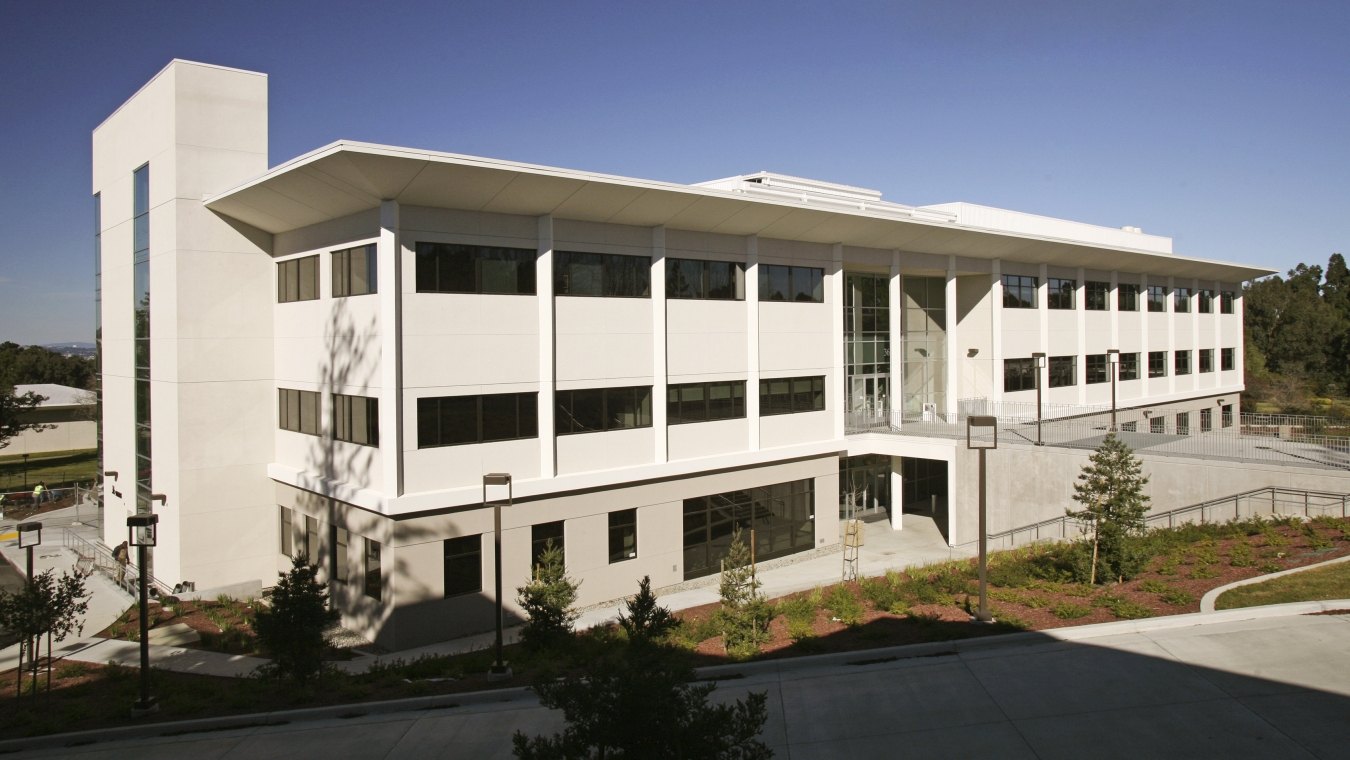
(110, 474)
(141, 528)
(30, 535)
(498, 479)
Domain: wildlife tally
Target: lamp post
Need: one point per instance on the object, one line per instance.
(982, 425)
(1040, 361)
(499, 667)
(30, 535)
(1113, 363)
(141, 528)
(25, 473)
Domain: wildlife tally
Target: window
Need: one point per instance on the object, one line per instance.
(1063, 371)
(356, 419)
(542, 537)
(1157, 425)
(594, 410)
(1019, 292)
(622, 535)
(1181, 300)
(1019, 375)
(782, 516)
(1206, 420)
(298, 410)
(1098, 369)
(370, 570)
(1096, 295)
(701, 402)
(787, 395)
(354, 271)
(1206, 360)
(287, 533)
(1226, 298)
(1226, 415)
(1157, 364)
(339, 537)
(784, 283)
(463, 565)
(694, 278)
(311, 539)
(1182, 362)
(601, 274)
(1129, 367)
(456, 420)
(1157, 298)
(1184, 423)
(298, 279)
(1227, 359)
(1127, 297)
(1129, 427)
(1205, 301)
(1061, 293)
(456, 268)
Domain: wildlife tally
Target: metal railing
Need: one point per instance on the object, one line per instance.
(96, 557)
(1270, 500)
(1245, 437)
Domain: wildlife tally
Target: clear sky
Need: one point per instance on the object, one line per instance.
(1225, 125)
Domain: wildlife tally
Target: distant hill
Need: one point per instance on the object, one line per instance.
(73, 348)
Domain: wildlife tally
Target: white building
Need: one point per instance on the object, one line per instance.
(68, 414)
(340, 347)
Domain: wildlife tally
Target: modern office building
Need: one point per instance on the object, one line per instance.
(327, 356)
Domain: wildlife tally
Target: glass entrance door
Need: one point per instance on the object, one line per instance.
(868, 394)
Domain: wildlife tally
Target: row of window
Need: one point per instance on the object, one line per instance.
(339, 540)
(356, 419)
(353, 275)
(1019, 292)
(464, 554)
(1020, 374)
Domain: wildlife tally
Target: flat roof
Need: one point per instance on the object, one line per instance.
(345, 178)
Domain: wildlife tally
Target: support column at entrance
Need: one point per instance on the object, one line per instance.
(897, 494)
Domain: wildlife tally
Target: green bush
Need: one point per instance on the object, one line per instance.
(1122, 608)
(1240, 555)
(1202, 572)
(1177, 596)
(547, 600)
(291, 630)
(1153, 587)
(844, 605)
(1068, 611)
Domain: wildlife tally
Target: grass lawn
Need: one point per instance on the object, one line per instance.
(1308, 586)
(59, 468)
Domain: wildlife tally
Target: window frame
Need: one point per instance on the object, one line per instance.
(291, 277)
(814, 283)
(372, 578)
(609, 399)
(622, 535)
(541, 534)
(456, 552)
(433, 273)
(676, 403)
(339, 540)
(286, 528)
(1097, 369)
(1227, 359)
(1157, 364)
(1204, 302)
(703, 289)
(1129, 367)
(796, 401)
(1062, 371)
(1181, 300)
(1157, 299)
(1015, 289)
(1181, 362)
(1205, 360)
(1127, 296)
(1227, 302)
(1058, 297)
(1024, 369)
(611, 283)
(343, 268)
(434, 408)
(291, 408)
(344, 429)
(1096, 295)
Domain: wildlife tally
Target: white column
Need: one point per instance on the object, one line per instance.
(996, 331)
(895, 331)
(954, 359)
(543, 278)
(1146, 385)
(1216, 314)
(1193, 316)
(897, 494)
(1239, 357)
(1169, 303)
(659, 383)
(1113, 306)
(752, 340)
(835, 303)
(388, 262)
(1080, 314)
(1043, 306)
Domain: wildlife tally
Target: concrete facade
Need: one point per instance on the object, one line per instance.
(232, 350)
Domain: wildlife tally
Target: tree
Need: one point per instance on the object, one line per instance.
(45, 607)
(29, 365)
(744, 616)
(646, 621)
(1111, 490)
(291, 630)
(547, 600)
(636, 701)
(14, 410)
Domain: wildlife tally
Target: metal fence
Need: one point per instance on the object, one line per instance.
(1260, 502)
(96, 557)
(1288, 439)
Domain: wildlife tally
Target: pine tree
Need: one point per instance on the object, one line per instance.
(291, 630)
(1111, 490)
(547, 601)
(745, 615)
(646, 621)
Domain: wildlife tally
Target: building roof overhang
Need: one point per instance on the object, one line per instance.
(345, 178)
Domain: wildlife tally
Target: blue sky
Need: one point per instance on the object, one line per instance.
(1221, 124)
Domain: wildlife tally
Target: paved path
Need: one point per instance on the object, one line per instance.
(1242, 684)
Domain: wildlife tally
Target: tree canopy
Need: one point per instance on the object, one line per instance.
(1298, 331)
(31, 365)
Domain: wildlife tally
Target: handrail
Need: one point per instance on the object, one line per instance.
(1062, 523)
(101, 559)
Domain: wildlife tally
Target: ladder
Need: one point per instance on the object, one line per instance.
(852, 540)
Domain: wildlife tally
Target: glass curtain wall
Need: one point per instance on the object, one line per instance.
(781, 517)
(98, 338)
(141, 321)
(924, 330)
(864, 486)
(867, 343)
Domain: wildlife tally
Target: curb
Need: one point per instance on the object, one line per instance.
(522, 694)
(1212, 596)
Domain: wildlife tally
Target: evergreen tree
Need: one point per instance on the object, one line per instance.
(14, 410)
(1111, 490)
(291, 629)
(744, 616)
(646, 621)
(547, 601)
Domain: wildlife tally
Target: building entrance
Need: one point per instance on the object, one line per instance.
(925, 489)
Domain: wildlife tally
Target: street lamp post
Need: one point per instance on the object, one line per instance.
(1113, 360)
(141, 528)
(499, 667)
(1039, 359)
(982, 425)
(30, 535)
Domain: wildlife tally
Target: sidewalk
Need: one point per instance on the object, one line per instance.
(883, 549)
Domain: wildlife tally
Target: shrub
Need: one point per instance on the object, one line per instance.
(292, 629)
(646, 620)
(1201, 572)
(845, 607)
(1240, 555)
(744, 616)
(1177, 596)
(547, 601)
(1122, 608)
(1068, 611)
